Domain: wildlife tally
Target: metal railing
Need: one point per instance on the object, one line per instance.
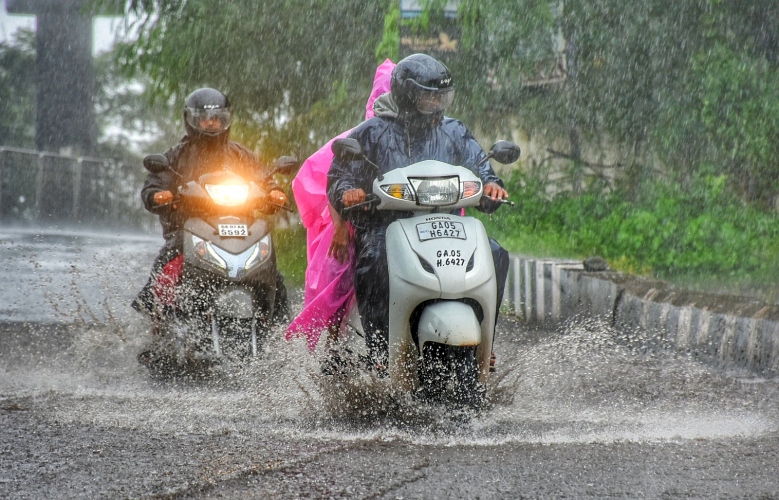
(44, 187)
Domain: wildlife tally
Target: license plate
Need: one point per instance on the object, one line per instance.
(240, 230)
(441, 229)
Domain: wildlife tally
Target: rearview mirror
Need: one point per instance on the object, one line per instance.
(505, 152)
(155, 163)
(347, 149)
(285, 165)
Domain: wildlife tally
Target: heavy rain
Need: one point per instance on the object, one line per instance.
(635, 354)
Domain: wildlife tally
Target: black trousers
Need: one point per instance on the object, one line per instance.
(371, 286)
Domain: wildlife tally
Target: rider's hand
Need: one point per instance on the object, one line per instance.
(339, 246)
(353, 197)
(494, 192)
(277, 197)
(163, 197)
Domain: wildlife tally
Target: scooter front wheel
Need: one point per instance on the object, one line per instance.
(236, 338)
(452, 373)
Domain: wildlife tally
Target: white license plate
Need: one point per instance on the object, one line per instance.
(240, 230)
(441, 229)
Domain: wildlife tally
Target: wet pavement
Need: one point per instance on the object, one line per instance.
(580, 412)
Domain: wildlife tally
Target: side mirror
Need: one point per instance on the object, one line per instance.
(347, 149)
(505, 152)
(155, 163)
(285, 165)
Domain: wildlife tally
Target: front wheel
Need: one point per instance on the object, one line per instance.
(452, 373)
(235, 338)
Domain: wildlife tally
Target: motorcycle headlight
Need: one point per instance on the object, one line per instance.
(205, 251)
(228, 195)
(260, 253)
(437, 191)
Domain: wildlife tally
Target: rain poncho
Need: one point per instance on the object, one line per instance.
(329, 288)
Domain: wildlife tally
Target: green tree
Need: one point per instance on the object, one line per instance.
(678, 86)
(297, 71)
(17, 91)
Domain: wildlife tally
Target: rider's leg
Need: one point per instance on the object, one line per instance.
(500, 258)
(371, 286)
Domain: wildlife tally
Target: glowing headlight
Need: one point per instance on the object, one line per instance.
(259, 254)
(399, 191)
(437, 191)
(228, 195)
(205, 251)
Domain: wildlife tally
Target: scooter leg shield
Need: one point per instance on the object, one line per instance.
(449, 322)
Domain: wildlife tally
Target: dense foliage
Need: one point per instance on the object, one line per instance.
(17, 91)
(679, 98)
(702, 229)
(296, 71)
(680, 87)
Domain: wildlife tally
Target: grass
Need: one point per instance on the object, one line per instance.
(290, 245)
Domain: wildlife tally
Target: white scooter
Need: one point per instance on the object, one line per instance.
(443, 292)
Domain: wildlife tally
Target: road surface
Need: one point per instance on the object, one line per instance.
(581, 412)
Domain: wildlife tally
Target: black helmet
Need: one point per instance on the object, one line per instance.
(423, 84)
(207, 113)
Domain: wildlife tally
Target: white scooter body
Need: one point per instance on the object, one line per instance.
(439, 258)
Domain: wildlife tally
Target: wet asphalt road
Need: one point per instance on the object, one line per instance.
(581, 412)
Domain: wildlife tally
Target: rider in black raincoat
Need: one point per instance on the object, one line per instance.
(409, 127)
(205, 148)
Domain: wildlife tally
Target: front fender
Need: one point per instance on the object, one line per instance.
(449, 322)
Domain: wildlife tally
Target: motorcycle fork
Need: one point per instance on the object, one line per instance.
(215, 336)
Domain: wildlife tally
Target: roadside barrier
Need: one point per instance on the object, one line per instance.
(715, 328)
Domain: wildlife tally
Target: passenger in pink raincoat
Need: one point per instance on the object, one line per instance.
(329, 287)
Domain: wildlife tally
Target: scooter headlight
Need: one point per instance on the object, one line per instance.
(437, 191)
(260, 253)
(205, 251)
(228, 195)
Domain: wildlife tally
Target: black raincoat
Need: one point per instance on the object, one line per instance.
(188, 160)
(392, 142)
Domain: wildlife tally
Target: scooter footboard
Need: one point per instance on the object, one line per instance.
(449, 322)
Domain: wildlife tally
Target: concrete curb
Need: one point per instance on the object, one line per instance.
(716, 328)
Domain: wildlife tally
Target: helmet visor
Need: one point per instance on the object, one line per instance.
(209, 121)
(434, 101)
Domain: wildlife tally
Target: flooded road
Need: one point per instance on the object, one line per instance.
(580, 412)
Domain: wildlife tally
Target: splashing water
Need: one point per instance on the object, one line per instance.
(583, 383)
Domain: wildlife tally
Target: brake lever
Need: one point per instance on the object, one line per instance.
(174, 203)
(283, 207)
(501, 201)
(367, 202)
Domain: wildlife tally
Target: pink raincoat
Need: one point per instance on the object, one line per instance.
(329, 288)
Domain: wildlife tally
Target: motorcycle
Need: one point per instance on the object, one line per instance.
(442, 285)
(226, 298)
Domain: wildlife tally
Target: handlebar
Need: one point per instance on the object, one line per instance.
(370, 199)
(283, 207)
(177, 201)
